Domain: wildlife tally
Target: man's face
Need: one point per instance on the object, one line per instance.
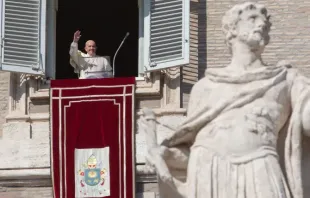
(252, 29)
(90, 48)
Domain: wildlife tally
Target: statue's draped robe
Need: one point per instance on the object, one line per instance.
(258, 174)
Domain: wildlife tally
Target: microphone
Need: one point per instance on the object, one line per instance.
(113, 66)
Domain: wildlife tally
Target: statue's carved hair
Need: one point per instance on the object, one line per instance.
(232, 17)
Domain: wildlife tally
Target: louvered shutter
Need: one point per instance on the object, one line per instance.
(166, 33)
(23, 36)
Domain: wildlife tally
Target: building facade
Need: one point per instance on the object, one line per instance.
(24, 116)
(24, 95)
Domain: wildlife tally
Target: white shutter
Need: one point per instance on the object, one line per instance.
(23, 36)
(166, 33)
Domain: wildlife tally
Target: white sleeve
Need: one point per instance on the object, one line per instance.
(79, 62)
(108, 68)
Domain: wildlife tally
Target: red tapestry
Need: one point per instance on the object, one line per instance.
(92, 124)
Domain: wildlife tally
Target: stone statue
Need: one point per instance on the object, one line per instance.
(227, 145)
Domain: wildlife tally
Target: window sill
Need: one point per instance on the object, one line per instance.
(42, 94)
(143, 88)
(152, 87)
(12, 173)
(20, 117)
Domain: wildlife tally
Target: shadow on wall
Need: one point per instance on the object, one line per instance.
(202, 38)
(198, 49)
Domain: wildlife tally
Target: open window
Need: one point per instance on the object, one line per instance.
(23, 36)
(159, 34)
(105, 22)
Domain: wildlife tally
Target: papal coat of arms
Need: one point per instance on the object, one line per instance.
(92, 172)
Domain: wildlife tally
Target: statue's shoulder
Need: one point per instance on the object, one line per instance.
(284, 63)
(292, 72)
(201, 84)
(198, 85)
(210, 76)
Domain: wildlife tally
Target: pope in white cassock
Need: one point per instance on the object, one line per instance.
(88, 65)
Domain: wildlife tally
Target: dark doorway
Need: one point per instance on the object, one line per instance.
(106, 22)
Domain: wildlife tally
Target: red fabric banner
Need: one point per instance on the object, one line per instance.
(87, 115)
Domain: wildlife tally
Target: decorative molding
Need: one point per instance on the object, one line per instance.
(40, 117)
(24, 89)
(42, 94)
(20, 117)
(17, 117)
(26, 183)
(171, 88)
(143, 169)
(27, 173)
(146, 178)
(41, 177)
(17, 93)
(32, 76)
(148, 86)
(144, 86)
(145, 174)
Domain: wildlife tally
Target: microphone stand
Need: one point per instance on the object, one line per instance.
(113, 66)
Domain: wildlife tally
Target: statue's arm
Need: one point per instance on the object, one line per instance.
(178, 137)
(306, 118)
(184, 134)
(300, 95)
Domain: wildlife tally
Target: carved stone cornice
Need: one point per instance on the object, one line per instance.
(24, 178)
(22, 182)
(148, 86)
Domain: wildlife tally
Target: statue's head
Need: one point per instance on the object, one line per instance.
(248, 23)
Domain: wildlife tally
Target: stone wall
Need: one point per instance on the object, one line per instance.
(290, 40)
(19, 192)
(195, 70)
(4, 97)
(47, 192)
(290, 32)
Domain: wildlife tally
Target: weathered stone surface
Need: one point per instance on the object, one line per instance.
(26, 192)
(146, 195)
(4, 97)
(25, 145)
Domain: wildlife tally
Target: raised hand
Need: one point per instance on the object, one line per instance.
(76, 36)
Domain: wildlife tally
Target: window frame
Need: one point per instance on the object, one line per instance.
(48, 67)
(42, 43)
(147, 40)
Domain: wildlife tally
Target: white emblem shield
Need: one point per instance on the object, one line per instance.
(92, 168)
